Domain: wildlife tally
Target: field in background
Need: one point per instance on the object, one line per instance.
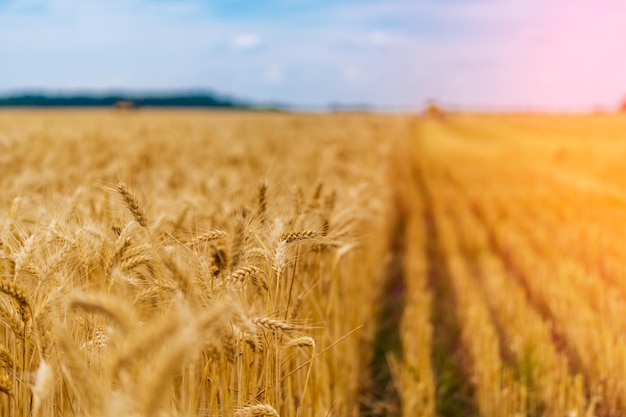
(185, 263)
(522, 239)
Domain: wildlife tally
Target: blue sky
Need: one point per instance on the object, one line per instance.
(389, 53)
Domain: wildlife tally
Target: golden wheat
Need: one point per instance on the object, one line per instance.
(106, 316)
(304, 341)
(133, 204)
(289, 237)
(6, 385)
(273, 324)
(259, 410)
(99, 303)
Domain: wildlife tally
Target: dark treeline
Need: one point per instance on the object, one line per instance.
(84, 100)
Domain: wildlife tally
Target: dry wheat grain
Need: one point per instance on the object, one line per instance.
(133, 204)
(158, 380)
(106, 306)
(6, 358)
(304, 341)
(43, 386)
(143, 343)
(250, 272)
(262, 204)
(289, 237)
(209, 236)
(259, 410)
(273, 324)
(131, 262)
(18, 293)
(6, 384)
(13, 319)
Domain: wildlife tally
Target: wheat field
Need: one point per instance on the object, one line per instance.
(195, 263)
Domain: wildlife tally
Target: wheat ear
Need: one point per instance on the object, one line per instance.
(6, 385)
(76, 372)
(144, 343)
(14, 320)
(122, 244)
(273, 324)
(206, 237)
(304, 341)
(133, 204)
(134, 261)
(250, 272)
(263, 202)
(43, 386)
(139, 214)
(259, 410)
(160, 376)
(105, 306)
(18, 293)
(6, 358)
(289, 237)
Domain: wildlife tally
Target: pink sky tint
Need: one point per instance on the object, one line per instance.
(572, 55)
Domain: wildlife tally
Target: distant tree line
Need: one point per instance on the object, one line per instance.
(192, 100)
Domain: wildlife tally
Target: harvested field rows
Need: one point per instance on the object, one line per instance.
(528, 226)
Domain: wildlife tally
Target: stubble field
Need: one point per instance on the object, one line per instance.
(192, 263)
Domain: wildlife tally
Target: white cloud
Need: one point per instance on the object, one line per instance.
(274, 75)
(246, 41)
(354, 75)
(379, 38)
